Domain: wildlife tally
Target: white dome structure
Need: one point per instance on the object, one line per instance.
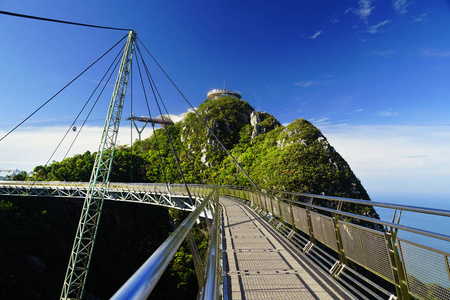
(214, 94)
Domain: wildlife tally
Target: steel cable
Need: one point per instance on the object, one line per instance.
(46, 102)
(165, 127)
(58, 21)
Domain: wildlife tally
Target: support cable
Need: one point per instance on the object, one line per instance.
(95, 103)
(45, 103)
(82, 109)
(203, 121)
(150, 115)
(165, 108)
(58, 21)
(165, 127)
(154, 88)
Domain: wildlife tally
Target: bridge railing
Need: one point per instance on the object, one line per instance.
(362, 252)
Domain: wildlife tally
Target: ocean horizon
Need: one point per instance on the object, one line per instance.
(428, 222)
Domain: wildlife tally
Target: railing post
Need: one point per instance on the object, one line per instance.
(401, 287)
(340, 245)
(292, 214)
(312, 239)
(198, 265)
(278, 205)
(210, 290)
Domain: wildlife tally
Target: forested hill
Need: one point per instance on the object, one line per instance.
(296, 157)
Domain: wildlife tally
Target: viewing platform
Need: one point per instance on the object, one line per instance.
(217, 93)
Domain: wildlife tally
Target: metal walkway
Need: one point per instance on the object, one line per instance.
(261, 264)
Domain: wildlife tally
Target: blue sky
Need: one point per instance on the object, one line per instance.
(371, 74)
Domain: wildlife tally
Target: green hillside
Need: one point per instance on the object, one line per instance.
(296, 157)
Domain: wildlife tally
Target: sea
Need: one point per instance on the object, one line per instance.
(433, 223)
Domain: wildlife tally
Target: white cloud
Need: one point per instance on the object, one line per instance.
(315, 35)
(307, 83)
(321, 121)
(363, 11)
(421, 18)
(32, 146)
(435, 53)
(400, 6)
(355, 111)
(387, 113)
(395, 158)
(28, 147)
(378, 27)
(382, 52)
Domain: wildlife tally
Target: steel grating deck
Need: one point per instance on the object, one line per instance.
(261, 264)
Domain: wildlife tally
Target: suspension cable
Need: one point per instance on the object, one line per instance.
(45, 103)
(166, 129)
(165, 108)
(81, 111)
(98, 97)
(150, 115)
(58, 21)
(87, 117)
(198, 115)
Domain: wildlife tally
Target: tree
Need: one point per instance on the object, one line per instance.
(21, 176)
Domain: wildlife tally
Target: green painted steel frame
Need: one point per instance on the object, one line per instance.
(81, 254)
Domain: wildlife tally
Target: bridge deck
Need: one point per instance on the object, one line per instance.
(263, 265)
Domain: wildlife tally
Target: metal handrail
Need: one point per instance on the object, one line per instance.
(211, 288)
(432, 211)
(385, 223)
(141, 284)
(411, 208)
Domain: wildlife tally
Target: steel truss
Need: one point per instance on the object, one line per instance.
(136, 194)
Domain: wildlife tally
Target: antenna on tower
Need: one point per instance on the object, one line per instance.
(224, 83)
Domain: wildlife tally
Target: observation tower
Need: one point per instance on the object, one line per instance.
(214, 94)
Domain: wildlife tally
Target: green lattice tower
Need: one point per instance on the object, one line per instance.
(80, 257)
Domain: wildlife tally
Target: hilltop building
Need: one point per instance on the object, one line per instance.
(214, 94)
